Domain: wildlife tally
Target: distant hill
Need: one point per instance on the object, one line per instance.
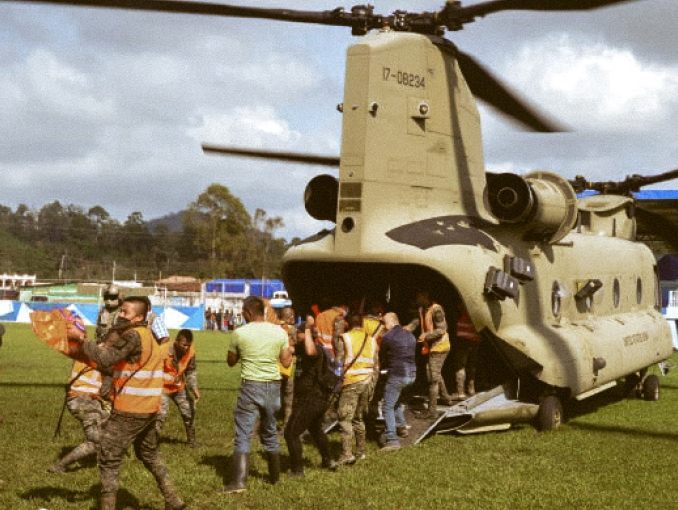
(173, 222)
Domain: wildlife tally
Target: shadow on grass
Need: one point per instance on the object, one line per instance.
(223, 465)
(45, 495)
(624, 430)
(31, 385)
(576, 408)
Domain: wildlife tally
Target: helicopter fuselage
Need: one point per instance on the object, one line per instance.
(567, 305)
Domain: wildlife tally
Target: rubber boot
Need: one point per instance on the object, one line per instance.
(190, 437)
(108, 502)
(460, 380)
(273, 467)
(172, 499)
(241, 467)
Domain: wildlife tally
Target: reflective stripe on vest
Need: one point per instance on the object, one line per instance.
(442, 344)
(173, 376)
(138, 386)
(325, 327)
(86, 380)
(465, 328)
(363, 367)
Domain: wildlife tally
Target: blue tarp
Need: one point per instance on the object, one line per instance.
(190, 317)
(264, 288)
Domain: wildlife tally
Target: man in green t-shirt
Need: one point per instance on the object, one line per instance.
(258, 346)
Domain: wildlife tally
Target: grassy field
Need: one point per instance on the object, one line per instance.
(612, 453)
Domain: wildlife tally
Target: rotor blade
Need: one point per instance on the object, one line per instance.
(291, 157)
(491, 90)
(654, 179)
(625, 187)
(491, 6)
(335, 17)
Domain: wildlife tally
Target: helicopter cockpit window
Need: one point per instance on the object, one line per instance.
(639, 291)
(616, 292)
(556, 298)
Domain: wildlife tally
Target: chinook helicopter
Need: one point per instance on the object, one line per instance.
(414, 208)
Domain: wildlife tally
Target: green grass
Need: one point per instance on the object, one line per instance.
(612, 453)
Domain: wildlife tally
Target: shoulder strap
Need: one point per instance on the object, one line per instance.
(350, 364)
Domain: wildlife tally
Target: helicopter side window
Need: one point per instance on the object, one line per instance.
(639, 291)
(556, 298)
(616, 292)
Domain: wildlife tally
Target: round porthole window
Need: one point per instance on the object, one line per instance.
(556, 299)
(639, 291)
(616, 292)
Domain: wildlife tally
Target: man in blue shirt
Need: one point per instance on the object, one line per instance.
(396, 356)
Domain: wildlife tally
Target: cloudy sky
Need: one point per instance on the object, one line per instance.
(110, 107)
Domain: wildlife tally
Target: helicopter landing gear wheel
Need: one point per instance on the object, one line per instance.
(550, 415)
(651, 388)
(632, 386)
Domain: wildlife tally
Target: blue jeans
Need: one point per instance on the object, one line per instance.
(393, 406)
(257, 399)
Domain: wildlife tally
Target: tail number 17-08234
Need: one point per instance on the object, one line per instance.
(404, 78)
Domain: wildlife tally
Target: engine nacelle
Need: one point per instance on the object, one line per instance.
(543, 201)
(320, 197)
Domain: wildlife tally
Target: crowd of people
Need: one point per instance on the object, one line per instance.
(322, 370)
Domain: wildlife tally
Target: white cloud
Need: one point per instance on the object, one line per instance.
(594, 86)
(256, 126)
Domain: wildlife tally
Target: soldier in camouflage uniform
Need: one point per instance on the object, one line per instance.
(360, 361)
(109, 312)
(85, 405)
(138, 379)
(180, 377)
(436, 342)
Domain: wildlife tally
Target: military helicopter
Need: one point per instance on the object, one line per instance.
(564, 296)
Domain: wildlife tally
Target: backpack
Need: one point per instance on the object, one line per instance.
(330, 374)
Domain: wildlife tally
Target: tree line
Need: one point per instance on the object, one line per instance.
(216, 238)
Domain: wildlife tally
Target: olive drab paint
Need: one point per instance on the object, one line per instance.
(557, 284)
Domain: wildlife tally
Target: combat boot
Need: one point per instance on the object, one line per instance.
(360, 446)
(346, 454)
(460, 377)
(471, 388)
(108, 502)
(241, 467)
(273, 467)
(74, 455)
(433, 400)
(190, 437)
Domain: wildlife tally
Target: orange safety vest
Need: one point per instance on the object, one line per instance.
(138, 386)
(174, 379)
(324, 325)
(465, 328)
(442, 344)
(363, 366)
(86, 381)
